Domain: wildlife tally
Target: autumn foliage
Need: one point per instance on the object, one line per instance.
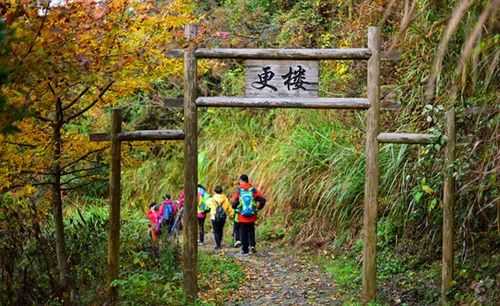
(67, 61)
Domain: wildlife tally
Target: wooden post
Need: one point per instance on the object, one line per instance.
(448, 206)
(372, 168)
(190, 242)
(114, 209)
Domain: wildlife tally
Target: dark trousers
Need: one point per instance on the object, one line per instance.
(236, 231)
(201, 229)
(218, 231)
(247, 236)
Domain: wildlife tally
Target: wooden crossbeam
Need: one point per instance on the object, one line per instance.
(179, 102)
(406, 138)
(174, 103)
(141, 135)
(322, 103)
(287, 54)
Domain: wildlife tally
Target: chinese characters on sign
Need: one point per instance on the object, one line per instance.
(272, 78)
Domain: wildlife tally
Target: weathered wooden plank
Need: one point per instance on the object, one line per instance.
(278, 78)
(114, 207)
(448, 207)
(190, 242)
(405, 138)
(99, 137)
(394, 55)
(179, 103)
(151, 135)
(372, 169)
(390, 106)
(290, 54)
(304, 54)
(320, 103)
(141, 135)
(174, 103)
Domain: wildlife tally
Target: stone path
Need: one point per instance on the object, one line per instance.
(274, 276)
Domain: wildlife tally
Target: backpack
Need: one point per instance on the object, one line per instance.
(202, 202)
(169, 212)
(248, 206)
(220, 213)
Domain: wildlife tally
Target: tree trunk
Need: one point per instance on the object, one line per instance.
(56, 201)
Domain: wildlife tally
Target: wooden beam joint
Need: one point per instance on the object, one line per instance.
(141, 135)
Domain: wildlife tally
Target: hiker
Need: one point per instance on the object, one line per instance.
(181, 198)
(247, 200)
(236, 230)
(169, 210)
(220, 209)
(203, 209)
(155, 217)
(180, 209)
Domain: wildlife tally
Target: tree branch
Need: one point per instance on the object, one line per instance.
(81, 170)
(36, 172)
(21, 144)
(82, 111)
(83, 157)
(38, 34)
(81, 185)
(42, 119)
(77, 98)
(76, 178)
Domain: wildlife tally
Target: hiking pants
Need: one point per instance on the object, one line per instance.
(201, 229)
(236, 231)
(218, 231)
(247, 236)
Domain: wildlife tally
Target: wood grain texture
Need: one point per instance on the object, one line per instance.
(190, 242)
(405, 138)
(290, 54)
(319, 103)
(114, 207)
(372, 169)
(298, 54)
(141, 135)
(174, 103)
(448, 207)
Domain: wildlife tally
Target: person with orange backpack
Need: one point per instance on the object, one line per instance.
(247, 201)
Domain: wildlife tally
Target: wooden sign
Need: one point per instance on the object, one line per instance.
(281, 78)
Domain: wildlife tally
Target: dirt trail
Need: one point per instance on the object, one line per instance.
(274, 276)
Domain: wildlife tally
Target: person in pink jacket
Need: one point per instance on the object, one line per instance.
(155, 216)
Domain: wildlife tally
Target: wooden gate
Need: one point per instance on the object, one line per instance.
(371, 104)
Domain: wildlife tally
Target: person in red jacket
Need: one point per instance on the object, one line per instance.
(155, 216)
(246, 201)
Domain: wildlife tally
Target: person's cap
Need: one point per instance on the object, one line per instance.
(244, 178)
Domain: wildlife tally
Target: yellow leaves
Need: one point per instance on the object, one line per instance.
(80, 45)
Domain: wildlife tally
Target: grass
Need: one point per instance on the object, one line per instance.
(220, 277)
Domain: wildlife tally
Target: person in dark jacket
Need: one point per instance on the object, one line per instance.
(246, 202)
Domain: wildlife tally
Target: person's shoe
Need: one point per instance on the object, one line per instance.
(237, 244)
(245, 254)
(218, 248)
(200, 243)
(253, 250)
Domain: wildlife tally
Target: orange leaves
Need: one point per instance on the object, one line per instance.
(66, 59)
